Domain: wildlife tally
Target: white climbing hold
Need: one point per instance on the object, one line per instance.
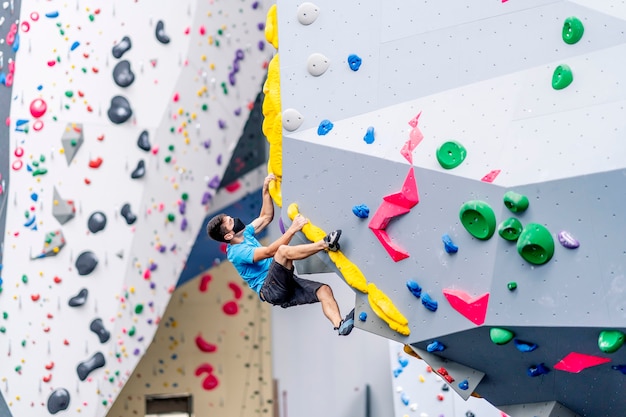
(292, 119)
(307, 13)
(317, 64)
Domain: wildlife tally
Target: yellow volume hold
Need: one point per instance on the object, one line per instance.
(351, 273)
(386, 310)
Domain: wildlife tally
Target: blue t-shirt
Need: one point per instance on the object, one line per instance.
(241, 255)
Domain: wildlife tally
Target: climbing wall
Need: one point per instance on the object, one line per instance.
(472, 154)
(123, 118)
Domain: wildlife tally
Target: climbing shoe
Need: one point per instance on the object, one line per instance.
(346, 325)
(333, 240)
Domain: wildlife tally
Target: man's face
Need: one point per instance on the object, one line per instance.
(232, 225)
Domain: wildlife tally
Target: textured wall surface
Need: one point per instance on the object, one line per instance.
(483, 85)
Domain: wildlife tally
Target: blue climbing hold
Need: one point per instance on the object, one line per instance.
(405, 398)
(524, 346)
(75, 45)
(537, 370)
(397, 372)
(324, 127)
(436, 346)
(369, 136)
(429, 303)
(52, 14)
(354, 61)
(414, 287)
(448, 245)
(403, 361)
(621, 368)
(361, 211)
(363, 316)
(464, 385)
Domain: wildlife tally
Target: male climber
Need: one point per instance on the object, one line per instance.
(268, 270)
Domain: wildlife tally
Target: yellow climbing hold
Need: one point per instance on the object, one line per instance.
(273, 129)
(386, 310)
(271, 26)
(351, 273)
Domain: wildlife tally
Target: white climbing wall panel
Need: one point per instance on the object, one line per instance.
(486, 75)
(192, 96)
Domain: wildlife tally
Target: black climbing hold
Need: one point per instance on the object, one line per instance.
(120, 110)
(122, 74)
(144, 141)
(120, 48)
(127, 214)
(79, 299)
(86, 263)
(97, 221)
(58, 400)
(97, 327)
(160, 33)
(140, 171)
(86, 367)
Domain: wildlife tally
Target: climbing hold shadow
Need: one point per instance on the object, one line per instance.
(86, 263)
(58, 400)
(119, 110)
(97, 327)
(160, 33)
(120, 48)
(79, 299)
(140, 171)
(97, 221)
(86, 367)
(122, 74)
(127, 214)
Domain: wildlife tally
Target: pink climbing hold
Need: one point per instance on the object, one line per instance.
(409, 195)
(414, 121)
(210, 381)
(237, 291)
(472, 308)
(575, 362)
(386, 211)
(204, 282)
(415, 137)
(396, 253)
(205, 346)
(38, 108)
(230, 308)
(491, 176)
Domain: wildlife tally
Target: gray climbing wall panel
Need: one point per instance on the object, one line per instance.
(484, 75)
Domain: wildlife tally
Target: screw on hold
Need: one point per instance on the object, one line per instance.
(537, 370)
(567, 240)
(562, 77)
(363, 316)
(361, 211)
(512, 286)
(535, 244)
(515, 202)
(610, 341)
(369, 136)
(354, 61)
(448, 245)
(500, 336)
(524, 346)
(510, 229)
(414, 287)
(324, 127)
(451, 154)
(573, 30)
(436, 346)
(478, 219)
(429, 303)
(464, 385)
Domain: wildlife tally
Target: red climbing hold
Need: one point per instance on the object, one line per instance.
(231, 308)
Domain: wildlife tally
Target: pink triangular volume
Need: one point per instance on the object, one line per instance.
(575, 362)
(473, 308)
(386, 211)
(409, 195)
(392, 249)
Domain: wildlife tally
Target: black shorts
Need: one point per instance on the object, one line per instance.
(285, 289)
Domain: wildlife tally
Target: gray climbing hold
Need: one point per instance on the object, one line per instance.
(98, 328)
(62, 210)
(86, 263)
(53, 243)
(127, 214)
(97, 221)
(119, 110)
(292, 119)
(307, 13)
(140, 171)
(79, 299)
(143, 141)
(317, 64)
(86, 367)
(72, 140)
(160, 33)
(122, 74)
(121, 47)
(58, 400)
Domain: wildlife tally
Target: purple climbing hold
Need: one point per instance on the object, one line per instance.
(221, 124)
(183, 225)
(281, 225)
(567, 240)
(215, 182)
(206, 197)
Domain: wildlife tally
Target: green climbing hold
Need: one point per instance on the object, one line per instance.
(512, 286)
(69, 94)
(610, 341)
(515, 202)
(171, 148)
(171, 217)
(185, 196)
(168, 159)
(573, 30)
(500, 336)
(562, 77)
(40, 171)
(5, 315)
(132, 331)
(3, 329)
(138, 308)
(535, 244)
(478, 219)
(24, 279)
(510, 229)
(205, 107)
(451, 154)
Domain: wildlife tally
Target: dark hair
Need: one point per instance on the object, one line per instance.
(214, 228)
